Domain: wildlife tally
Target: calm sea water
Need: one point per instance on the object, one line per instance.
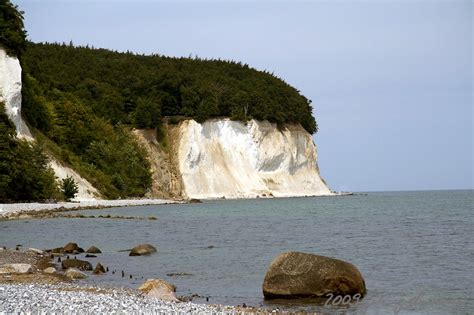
(414, 249)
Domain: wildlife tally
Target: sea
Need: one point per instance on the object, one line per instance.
(415, 250)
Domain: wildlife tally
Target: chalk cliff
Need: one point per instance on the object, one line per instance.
(224, 158)
(10, 92)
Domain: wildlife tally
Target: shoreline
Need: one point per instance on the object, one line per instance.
(10, 211)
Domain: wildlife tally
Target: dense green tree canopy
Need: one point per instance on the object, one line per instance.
(139, 90)
(12, 32)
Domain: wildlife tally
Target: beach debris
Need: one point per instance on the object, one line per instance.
(90, 256)
(142, 249)
(159, 288)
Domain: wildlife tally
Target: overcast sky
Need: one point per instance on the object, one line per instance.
(391, 81)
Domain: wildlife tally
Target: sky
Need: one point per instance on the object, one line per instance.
(391, 81)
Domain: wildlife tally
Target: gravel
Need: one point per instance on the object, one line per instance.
(73, 299)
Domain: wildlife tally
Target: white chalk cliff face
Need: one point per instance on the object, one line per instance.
(224, 158)
(10, 94)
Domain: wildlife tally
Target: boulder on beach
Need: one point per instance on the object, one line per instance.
(72, 248)
(16, 269)
(50, 270)
(142, 249)
(76, 263)
(93, 250)
(35, 250)
(56, 251)
(74, 273)
(159, 288)
(294, 275)
(99, 268)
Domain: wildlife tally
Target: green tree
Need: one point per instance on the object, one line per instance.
(147, 113)
(69, 188)
(12, 32)
(24, 171)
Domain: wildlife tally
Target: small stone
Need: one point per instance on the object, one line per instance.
(74, 273)
(50, 270)
(36, 251)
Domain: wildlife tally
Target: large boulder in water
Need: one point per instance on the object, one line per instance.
(294, 275)
(142, 249)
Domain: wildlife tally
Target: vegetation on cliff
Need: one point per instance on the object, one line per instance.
(138, 90)
(12, 32)
(24, 171)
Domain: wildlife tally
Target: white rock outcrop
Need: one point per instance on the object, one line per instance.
(10, 92)
(224, 158)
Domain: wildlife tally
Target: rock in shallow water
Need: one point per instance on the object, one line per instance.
(71, 248)
(293, 275)
(142, 249)
(93, 250)
(99, 269)
(76, 263)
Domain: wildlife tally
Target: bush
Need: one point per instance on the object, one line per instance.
(69, 188)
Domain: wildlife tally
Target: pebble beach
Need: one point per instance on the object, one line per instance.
(73, 299)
